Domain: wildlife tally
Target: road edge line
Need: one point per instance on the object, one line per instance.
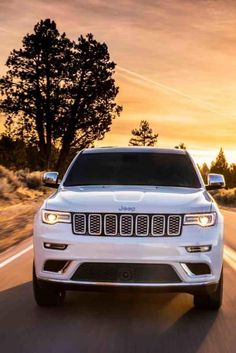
(230, 262)
(230, 256)
(14, 257)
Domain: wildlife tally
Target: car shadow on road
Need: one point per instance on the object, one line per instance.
(103, 322)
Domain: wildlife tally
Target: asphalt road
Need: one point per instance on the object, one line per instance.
(113, 322)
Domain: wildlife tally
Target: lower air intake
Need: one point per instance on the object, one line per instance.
(199, 268)
(55, 265)
(126, 273)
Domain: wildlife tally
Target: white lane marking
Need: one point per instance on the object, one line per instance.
(230, 252)
(229, 210)
(230, 262)
(230, 256)
(14, 257)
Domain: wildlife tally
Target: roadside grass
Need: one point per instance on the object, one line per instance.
(19, 186)
(21, 194)
(226, 198)
(16, 222)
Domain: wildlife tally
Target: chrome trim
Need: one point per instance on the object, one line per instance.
(136, 225)
(84, 217)
(163, 229)
(100, 223)
(168, 225)
(65, 268)
(124, 284)
(62, 271)
(105, 223)
(191, 274)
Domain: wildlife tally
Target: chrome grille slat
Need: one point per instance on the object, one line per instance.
(174, 225)
(110, 224)
(79, 222)
(126, 225)
(142, 225)
(116, 224)
(95, 224)
(158, 225)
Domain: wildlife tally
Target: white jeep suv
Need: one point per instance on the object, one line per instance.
(130, 217)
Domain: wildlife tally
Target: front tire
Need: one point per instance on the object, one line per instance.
(211, 301)
(45, 294)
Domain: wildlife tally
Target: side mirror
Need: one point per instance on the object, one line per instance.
(215, 181)
(50, 179)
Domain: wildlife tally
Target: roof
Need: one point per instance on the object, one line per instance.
(132, 149)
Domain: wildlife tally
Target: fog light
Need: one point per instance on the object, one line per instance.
(55, 246)
(198, 248)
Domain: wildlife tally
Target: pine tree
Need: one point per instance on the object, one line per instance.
(204, 171)
(181, 146)
(220, 165)
(232, 181)
(143, 136)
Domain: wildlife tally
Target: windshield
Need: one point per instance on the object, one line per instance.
(150, 169)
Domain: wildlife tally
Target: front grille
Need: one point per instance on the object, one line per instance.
(111, 224)
(125, 273)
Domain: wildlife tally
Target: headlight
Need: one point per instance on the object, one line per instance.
(53, 217)
(200, 219)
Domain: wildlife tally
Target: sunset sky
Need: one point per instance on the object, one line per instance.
(176, 63)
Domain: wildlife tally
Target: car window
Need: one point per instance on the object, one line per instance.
(156, 169)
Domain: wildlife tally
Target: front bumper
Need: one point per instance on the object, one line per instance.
(130, 250)
(191, 288)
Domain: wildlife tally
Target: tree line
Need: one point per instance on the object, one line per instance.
(221, 166)
(16, 154)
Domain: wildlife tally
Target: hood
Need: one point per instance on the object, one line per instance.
(126, 199)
